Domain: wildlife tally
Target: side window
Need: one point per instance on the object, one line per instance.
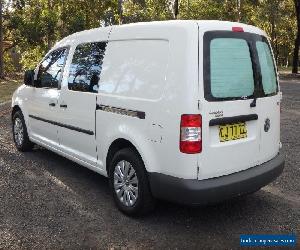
(135, 69)
(50, 69)
(86, 67)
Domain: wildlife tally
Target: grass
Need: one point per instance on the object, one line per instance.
(7, 88)
(285, 70)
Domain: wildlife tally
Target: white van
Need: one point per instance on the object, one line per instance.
(186, 111)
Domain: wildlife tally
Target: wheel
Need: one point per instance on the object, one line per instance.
(129, 183)
(20, 134)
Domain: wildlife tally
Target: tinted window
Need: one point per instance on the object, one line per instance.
(268, 75)
(230, 68)
(86, 67)
(51, 68)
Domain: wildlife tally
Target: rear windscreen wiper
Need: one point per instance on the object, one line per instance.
(253, 103)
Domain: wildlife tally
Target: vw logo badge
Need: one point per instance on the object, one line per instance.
(267, 125)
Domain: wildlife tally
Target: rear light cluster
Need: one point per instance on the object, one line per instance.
(191, 134)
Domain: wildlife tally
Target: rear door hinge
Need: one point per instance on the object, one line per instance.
(199, 105)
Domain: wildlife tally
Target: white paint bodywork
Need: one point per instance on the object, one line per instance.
(156, 68)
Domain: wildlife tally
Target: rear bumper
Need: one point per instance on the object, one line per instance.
(197, 192)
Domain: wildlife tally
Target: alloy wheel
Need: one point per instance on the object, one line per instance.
(126, 183)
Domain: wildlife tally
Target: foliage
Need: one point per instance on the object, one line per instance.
(8, 65)
(31, 57)
(33, 26)
(277, 18)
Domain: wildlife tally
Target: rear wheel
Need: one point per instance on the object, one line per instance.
(129, 183)
(20, 134)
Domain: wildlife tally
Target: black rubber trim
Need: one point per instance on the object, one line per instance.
(197, 192)
(89, 132)
(122, 111)
(233, 119)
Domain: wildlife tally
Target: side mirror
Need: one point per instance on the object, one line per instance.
(29, 77)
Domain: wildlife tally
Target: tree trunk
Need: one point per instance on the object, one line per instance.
(120, 11)
(49, 31)
(62, 19)
(1, 43)
(239, 13)
(274, 39)
(176, 8)
(296, 54)
(297, 40)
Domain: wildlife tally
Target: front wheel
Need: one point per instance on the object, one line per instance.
(129, 183)
(20, 134)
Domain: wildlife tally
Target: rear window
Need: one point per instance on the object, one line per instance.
(231, 68)
(237, 66)
(268, 74)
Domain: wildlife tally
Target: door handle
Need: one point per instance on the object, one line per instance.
(233, 119)
(63, 105)
(52, 104)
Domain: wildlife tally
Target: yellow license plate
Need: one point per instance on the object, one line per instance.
(231, 132)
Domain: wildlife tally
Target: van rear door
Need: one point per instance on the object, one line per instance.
(269, 104)
(235, 103)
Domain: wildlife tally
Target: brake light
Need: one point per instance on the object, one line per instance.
(191, 134)
(237, 29)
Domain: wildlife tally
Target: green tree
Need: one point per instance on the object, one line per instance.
(33, 26)
(1, 41)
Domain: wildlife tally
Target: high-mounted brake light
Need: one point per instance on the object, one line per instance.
(237, 29)
(191, 134)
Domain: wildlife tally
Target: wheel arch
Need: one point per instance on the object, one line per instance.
(117, 145)
(15, 108)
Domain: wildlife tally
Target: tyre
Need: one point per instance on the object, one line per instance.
(129, 183)
(20, 134)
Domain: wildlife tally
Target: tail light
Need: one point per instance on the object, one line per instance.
(191, 134)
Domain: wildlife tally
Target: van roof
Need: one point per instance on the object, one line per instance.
(203, 24)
